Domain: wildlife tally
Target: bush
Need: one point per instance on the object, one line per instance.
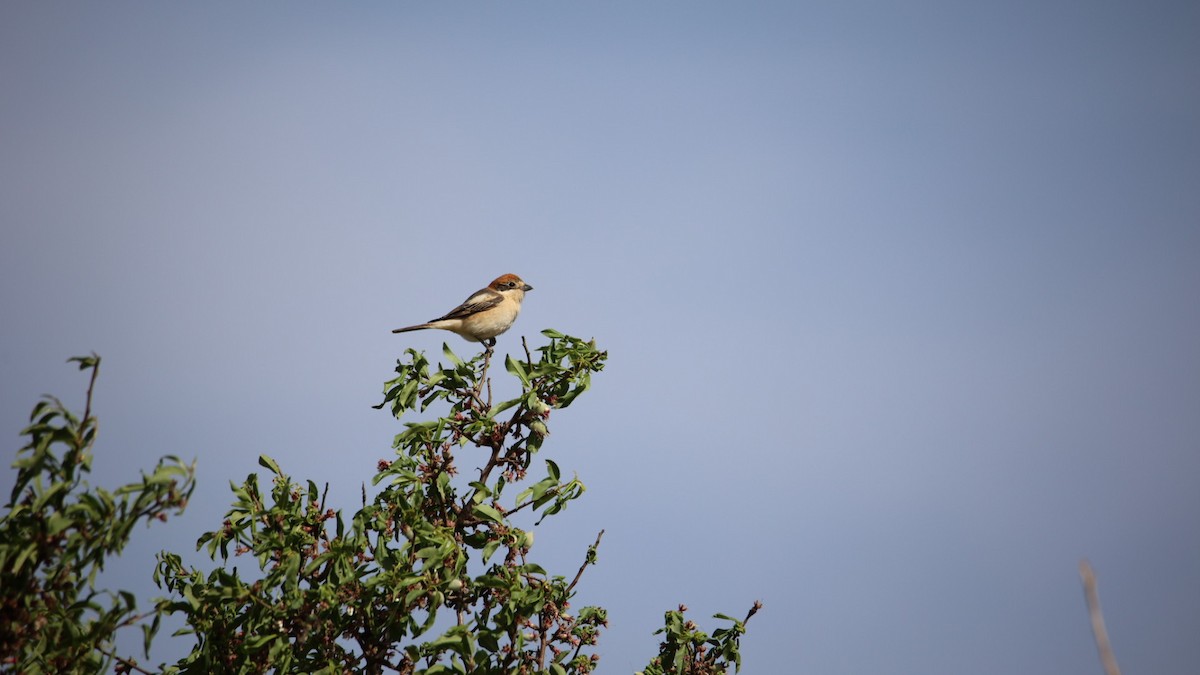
(57, 532)
(433, 574)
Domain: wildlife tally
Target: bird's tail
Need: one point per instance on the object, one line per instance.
(419, 326)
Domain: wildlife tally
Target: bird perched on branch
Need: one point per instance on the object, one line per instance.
(487, 313)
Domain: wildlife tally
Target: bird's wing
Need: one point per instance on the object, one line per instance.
(479, 301)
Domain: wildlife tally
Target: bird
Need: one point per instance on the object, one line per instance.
(487, 313)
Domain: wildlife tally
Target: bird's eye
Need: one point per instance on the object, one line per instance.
(511, 284)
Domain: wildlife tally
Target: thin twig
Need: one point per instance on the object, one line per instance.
(586, 561)
(133, 620)
(489, 401)
(124, 661)
(486, 471)
(474, 396)
(87, 408)
(1097, 616)
(543, 639)
(487, 363)
(552, 491)
(753, 610)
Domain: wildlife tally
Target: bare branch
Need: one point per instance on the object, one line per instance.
(128, 664)
(586, 561)
(1097, 616)
(753, 610)
(87, 408)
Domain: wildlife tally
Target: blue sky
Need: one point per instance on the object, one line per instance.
(900, 298)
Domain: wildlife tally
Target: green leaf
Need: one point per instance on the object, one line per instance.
(505, 405)
(451, 355)
(537, 490)
(489, 513)
(257, 641)
(428, 552)
(23, 556)
(85, 362)
(407, 395)
(516, 368)
(489, 549)
(481, 491)
(149, 631)
(268, 463)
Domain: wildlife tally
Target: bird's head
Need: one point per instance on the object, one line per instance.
(510, 283)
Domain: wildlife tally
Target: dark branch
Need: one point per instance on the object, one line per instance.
(586, 561)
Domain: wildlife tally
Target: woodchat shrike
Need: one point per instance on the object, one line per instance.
(487, 313)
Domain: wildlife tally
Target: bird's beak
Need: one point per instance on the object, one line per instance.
(527, 287)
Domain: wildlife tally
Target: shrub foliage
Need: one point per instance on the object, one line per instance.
(434, 573)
